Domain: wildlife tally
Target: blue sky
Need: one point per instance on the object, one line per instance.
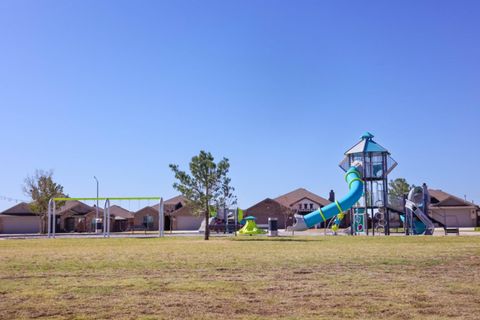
(120, 89)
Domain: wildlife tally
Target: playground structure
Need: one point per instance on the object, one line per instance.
(416, 220)
(51, 216)
(336, 208)
(377, 164)
(250, 227)
(367, 165)
(230, 220)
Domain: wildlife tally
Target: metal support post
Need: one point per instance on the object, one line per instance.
(161, 218)
(49, 218)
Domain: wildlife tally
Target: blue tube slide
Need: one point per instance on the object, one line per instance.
(355, 184)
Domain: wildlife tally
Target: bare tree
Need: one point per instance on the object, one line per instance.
(40, 187)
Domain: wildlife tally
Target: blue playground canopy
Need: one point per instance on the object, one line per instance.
(367, 145)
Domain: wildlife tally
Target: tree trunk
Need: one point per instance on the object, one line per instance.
(225, 219)
(207, 220)
(43, 224)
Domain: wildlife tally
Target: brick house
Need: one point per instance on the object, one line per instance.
(302, 201)
(146, 218)
(76, 216)
(89, 219)
(72, 217)
(123, 219)
(178, 216)
(269, 208)
(283, 208)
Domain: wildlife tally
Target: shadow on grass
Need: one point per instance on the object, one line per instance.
(242, 238)
(279, 239)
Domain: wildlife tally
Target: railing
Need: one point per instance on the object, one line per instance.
(396, 203)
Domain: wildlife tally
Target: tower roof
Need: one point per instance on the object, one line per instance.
(367, 145)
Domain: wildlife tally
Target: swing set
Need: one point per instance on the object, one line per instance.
(106, 212)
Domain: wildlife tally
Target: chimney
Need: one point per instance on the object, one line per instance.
(331, 196)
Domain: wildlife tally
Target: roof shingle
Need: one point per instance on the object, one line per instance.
(21, 209)
(294, 196)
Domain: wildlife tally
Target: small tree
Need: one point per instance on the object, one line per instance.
(226, 198)
(203, 187)
(40, 187)
(399, 187)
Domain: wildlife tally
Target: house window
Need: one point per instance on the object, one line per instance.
(305, 206)
(300, 206)
(311, 205)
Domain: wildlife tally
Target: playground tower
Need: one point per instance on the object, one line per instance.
(377, 164)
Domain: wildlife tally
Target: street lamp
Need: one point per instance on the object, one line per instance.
(96, 208)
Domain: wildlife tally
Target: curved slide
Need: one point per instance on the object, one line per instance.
(415, 207)
(420, 225)
(355, 185)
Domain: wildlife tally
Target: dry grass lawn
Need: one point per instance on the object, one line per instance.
(246, 278)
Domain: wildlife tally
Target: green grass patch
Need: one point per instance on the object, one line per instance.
(241, 278)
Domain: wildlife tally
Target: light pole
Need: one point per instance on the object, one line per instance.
(96, 207)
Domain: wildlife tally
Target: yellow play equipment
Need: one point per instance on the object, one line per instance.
(250, 227)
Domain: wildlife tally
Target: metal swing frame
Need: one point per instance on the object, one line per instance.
(52, 223)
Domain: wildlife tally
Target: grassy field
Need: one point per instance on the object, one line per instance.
(248, 278)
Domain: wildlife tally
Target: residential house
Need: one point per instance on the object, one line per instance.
(73, 217)
(76, 216)
(181, 216)
(269, 208)
(146, 219)
(92, 215)
(302, 201)
(178, 216)
(19, 219)
(124, 219)
(184, 219)
(283, 208)
(453, 211)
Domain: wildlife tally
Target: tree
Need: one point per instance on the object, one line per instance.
(226, 198)
(399, 188)
(40, 187)
(206, 184)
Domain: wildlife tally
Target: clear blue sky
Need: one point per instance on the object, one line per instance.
(120, 89)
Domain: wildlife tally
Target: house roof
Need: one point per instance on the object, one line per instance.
(267, 201)
(366, 145)
(20, 209)
(294, 196)
(120, 212)
(183, 211)
(94, 211)
(442, 198)
(76, 206)
(147, 208)
(177, 199)
(173, 204)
